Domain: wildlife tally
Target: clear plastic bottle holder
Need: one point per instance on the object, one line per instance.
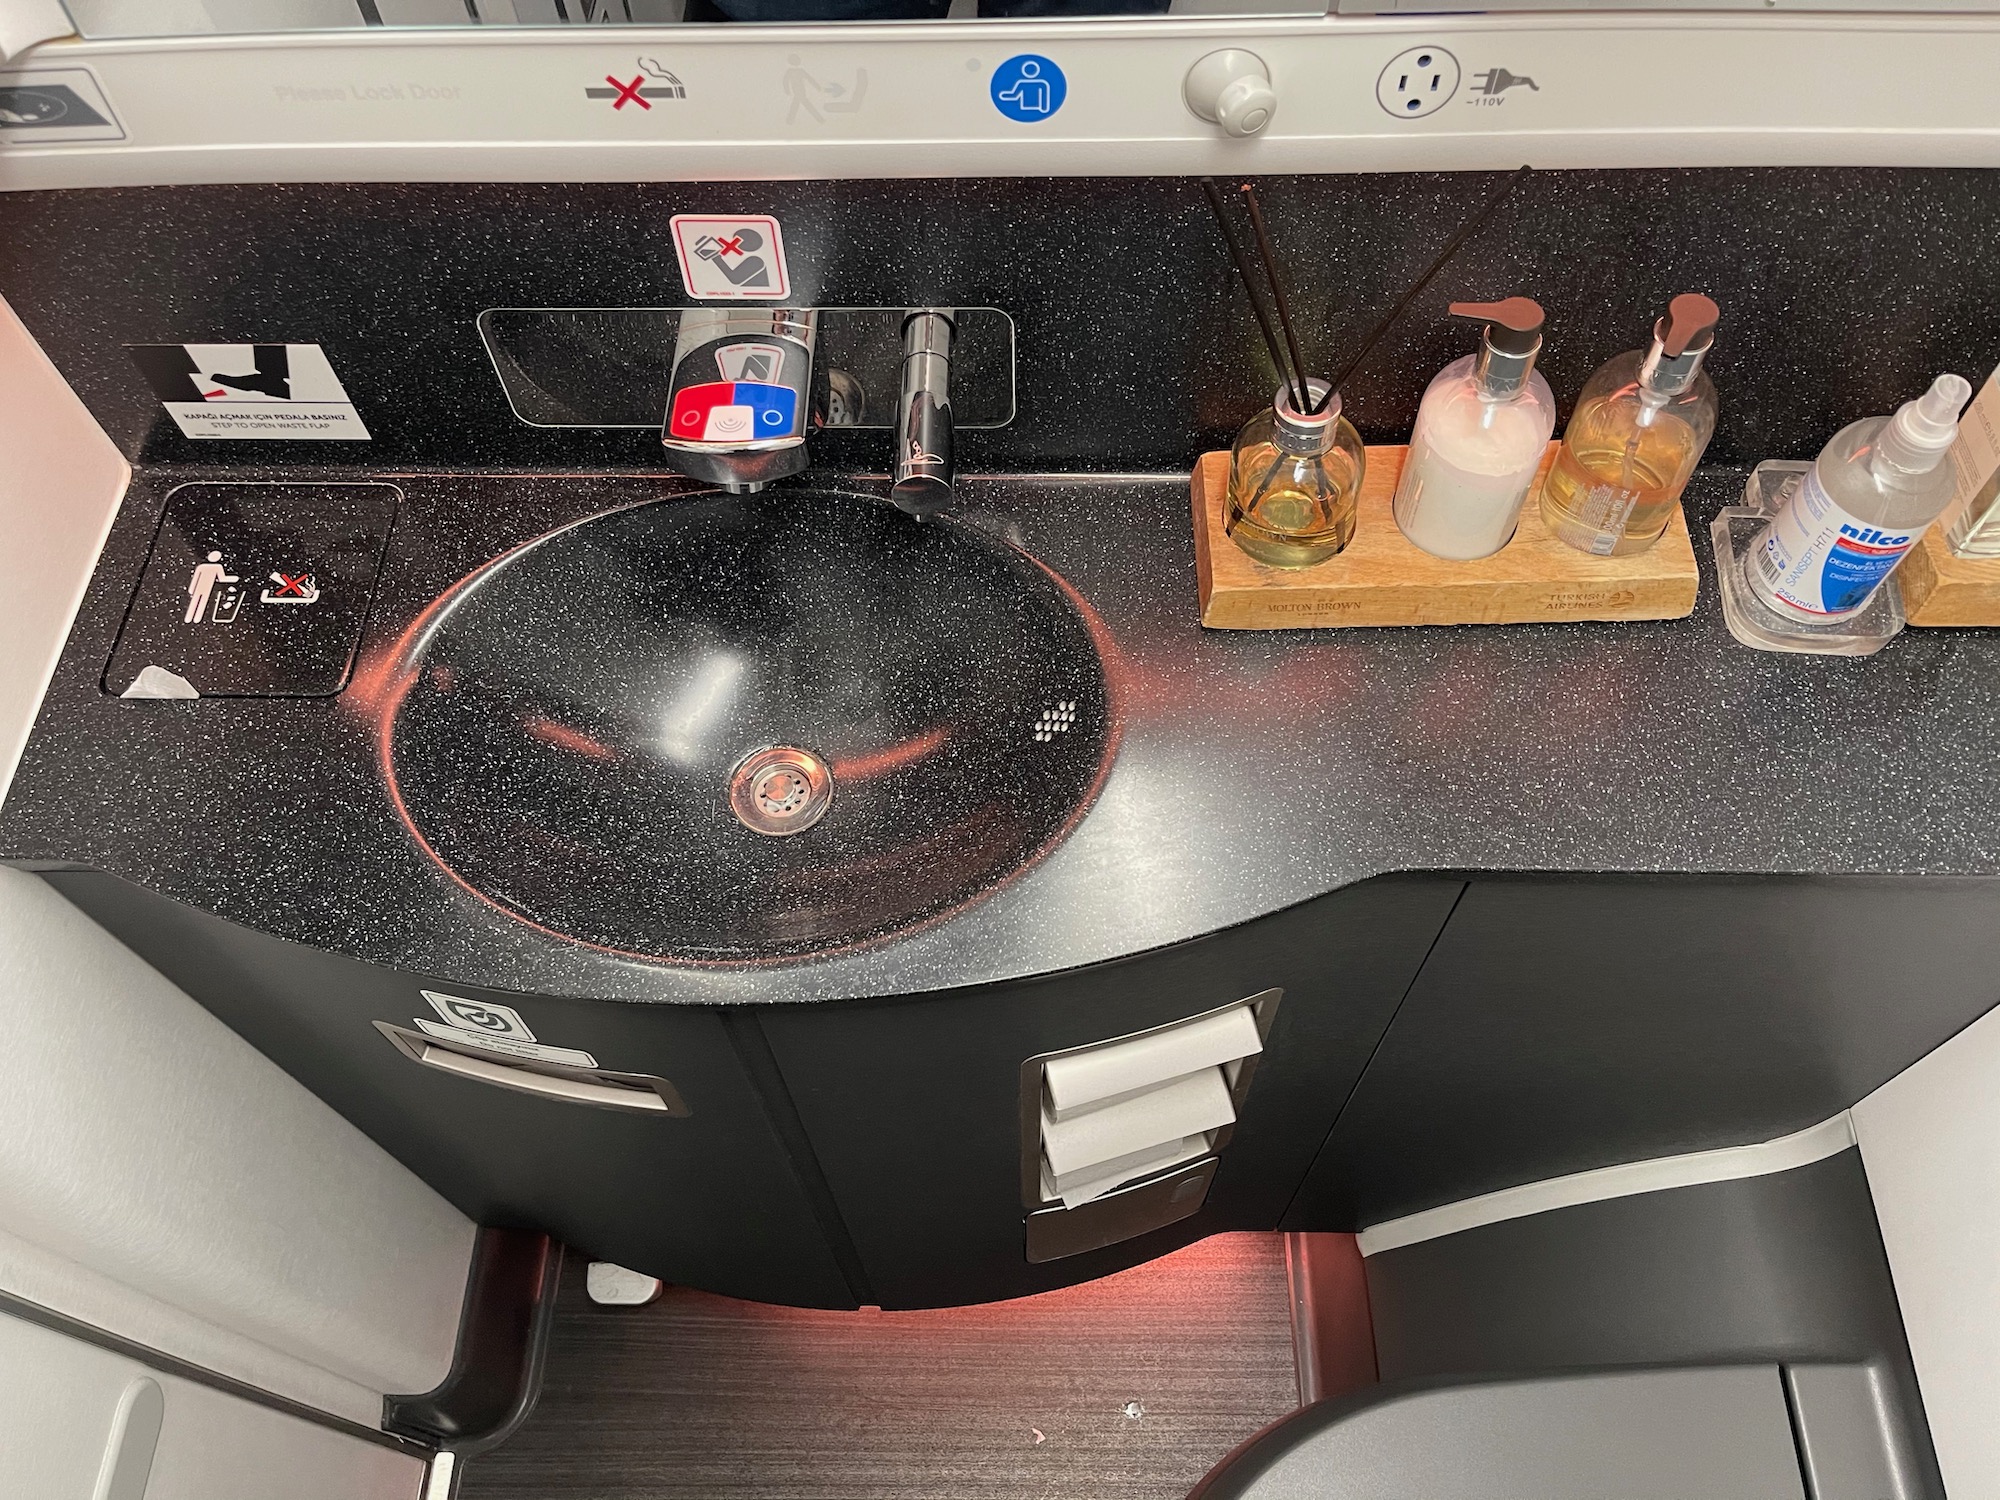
(1755, 623)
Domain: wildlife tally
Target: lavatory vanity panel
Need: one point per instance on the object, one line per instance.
(1248, 771)
(1134, 355)
(855, 1131)
(914, 1107)
(711, 1197)
(1567, 1024)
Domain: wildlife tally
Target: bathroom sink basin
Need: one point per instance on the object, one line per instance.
(743, 728)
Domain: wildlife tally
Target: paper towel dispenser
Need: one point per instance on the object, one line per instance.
(1120, 1137)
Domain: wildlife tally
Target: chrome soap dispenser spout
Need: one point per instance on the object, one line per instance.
(923, 413)
(1680, 341)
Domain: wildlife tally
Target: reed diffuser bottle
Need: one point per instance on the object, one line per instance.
(1295, 480)
(1639, 429)
(1295, 470)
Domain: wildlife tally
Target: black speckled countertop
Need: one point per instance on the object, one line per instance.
(1256, 769)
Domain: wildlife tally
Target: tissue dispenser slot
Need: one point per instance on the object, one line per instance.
(1055, 1233)
(1078, 1187)
(1135, 1134)
(1107, 1074)
(1120, 1137)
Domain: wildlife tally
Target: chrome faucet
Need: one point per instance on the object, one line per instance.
(738, 401)
(737, 404)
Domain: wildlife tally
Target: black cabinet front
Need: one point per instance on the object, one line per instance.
(1565, 1024)
(914, 1106)
(1434, 1041)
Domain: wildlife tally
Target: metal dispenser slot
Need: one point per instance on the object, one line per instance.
(1122, 1136)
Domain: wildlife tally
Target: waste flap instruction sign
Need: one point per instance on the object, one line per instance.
(496, 1028)
(250, 391)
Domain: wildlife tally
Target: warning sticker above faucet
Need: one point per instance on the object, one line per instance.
(735, 258)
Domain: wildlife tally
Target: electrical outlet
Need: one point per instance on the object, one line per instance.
(1418, 82)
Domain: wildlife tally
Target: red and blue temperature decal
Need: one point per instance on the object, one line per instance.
(734, 412)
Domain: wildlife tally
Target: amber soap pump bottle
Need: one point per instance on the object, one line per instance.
(1640, 425)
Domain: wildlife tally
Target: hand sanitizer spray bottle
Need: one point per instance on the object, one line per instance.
(1863, 504)
(1481, 431)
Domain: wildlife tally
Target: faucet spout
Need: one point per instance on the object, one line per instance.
(923, 477)
(738, 402)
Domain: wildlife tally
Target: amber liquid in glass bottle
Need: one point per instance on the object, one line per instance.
(1294, 480)
(1640, 425)
(1285, 513)
(1614, 486)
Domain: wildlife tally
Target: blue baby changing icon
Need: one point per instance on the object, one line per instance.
(1028, 88)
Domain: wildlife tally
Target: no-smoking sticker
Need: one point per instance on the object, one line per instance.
(734, 258)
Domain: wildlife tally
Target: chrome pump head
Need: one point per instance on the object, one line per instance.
(1680, 342)
(1509, 344)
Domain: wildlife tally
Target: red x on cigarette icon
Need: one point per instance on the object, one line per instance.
(628, 93)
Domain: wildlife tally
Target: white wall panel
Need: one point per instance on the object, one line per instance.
(145, 1142)
(158, 1177)
(466, 104)
(90, 1297)
(61, 480)
(59, 1397)
(1930, 1139)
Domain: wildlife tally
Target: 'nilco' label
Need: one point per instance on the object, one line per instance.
(1816, 557)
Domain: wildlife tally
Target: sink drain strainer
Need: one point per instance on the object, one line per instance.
(780, 790)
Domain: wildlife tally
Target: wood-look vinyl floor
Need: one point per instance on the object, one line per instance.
(704, 1398)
